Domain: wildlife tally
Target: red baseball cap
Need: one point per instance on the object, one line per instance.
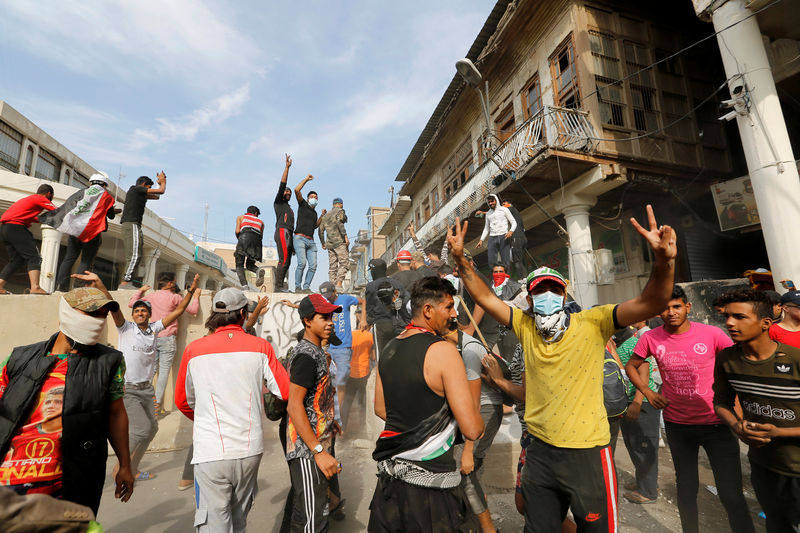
(403, 256)
(316, 303)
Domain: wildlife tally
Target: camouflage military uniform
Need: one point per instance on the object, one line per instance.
(332, 224)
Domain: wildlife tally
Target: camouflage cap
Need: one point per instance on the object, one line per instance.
(89, 299)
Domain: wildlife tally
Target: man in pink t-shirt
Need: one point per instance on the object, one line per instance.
(164, 301)
(685, 352)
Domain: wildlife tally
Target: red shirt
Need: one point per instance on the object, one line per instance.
(779, 334)
(26, 211)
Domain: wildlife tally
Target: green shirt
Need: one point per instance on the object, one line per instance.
(625, 350)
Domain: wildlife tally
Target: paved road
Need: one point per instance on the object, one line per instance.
(157, 506)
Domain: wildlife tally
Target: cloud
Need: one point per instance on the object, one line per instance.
(131, 39)
(186, 128)
(402, 98)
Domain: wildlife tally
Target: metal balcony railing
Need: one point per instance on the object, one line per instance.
(550, 128)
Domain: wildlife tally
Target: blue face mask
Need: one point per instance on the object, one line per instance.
(312, 202)
(547, 303)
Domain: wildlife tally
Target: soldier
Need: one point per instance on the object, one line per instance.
(337, 242)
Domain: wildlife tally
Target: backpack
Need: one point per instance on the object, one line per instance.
(615, 395)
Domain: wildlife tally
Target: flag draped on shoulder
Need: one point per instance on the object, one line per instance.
(83, 215)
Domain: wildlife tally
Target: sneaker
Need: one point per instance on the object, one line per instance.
(631, 485)
(635, 497)
(260, 277)
(185, 484)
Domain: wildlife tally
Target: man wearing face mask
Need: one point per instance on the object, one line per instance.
(284, 227)
(569, 461)
(71, 461)
(304, 246)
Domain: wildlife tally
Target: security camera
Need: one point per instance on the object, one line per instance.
(737, 87)
(728, 116)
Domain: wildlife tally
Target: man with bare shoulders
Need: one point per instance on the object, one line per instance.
(569, 462)
(423, 402)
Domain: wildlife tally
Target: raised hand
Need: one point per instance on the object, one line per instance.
(195, 282)
(455, 238)
(145, 288)
(161, 177)
(288, 160)
(662, 239)
(89, 277)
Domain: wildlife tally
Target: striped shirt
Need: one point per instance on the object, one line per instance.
(769, 392)
(251, 222)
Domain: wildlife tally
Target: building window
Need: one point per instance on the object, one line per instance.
(532, 97)
(29, 160)
(47, 166)
(670, 66)
(607, 72)
(458, 169)
(435, 198)
(79, 180)
(676, 106)
(565, 76)
(504, 124)
(643, 92)
(10, 147)
(426, 210)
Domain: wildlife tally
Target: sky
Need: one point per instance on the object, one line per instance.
(215, 93)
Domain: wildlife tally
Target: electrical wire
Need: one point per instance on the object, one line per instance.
(682, 50)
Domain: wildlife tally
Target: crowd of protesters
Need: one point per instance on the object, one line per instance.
(452, 350)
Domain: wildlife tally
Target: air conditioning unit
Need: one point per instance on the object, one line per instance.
(604, 266)
(363, 236)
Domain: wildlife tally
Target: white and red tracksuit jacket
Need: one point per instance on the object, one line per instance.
(219, 386)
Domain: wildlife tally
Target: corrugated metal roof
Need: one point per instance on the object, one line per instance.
(452, 92)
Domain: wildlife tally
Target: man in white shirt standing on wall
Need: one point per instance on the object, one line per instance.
(499, 227)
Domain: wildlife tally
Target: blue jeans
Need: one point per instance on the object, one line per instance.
(306, 252)
(164, 356)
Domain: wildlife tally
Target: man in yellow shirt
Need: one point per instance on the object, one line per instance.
(569, 459)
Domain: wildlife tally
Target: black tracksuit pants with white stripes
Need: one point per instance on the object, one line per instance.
(309, 508)
(132, 237)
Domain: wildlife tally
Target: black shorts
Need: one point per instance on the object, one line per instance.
(398, 507)
(557, 479)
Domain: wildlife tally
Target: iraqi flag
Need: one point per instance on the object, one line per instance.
(83, 215)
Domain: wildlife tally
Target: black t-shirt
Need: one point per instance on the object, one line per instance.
(284, 216)
(306, 219)
(135, 200)
(303, 371)
(425, 272)
(406, 278)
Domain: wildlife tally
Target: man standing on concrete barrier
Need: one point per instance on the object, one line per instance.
(71, 427)
(569, 462)
(304, 246)
(18, 240)
(132, 215)
(765, 376)
(685, 352)
(337, 243)
(137, 342)
(249, 234)
(165, 301)
(83, 217)
(284, 229)
(227, 413)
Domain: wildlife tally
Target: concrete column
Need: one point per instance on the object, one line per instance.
(150, 258)
(769, 156)
(581, 258)
(219, 284)
(203, 281)
(51, 241)
(180, 275)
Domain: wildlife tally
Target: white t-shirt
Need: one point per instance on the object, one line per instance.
(139, 349)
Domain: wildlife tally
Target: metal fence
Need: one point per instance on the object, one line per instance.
(551, 127)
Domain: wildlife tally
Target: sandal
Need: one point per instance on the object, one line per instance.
(144, 476)
(636, 497)
(337, 513)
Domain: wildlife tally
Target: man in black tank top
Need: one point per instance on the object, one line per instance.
(424, 402)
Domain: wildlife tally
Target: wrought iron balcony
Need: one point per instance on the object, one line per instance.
(551, 128)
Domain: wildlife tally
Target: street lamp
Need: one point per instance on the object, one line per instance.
(470, 73)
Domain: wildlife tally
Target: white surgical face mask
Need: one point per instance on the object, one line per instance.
(79, 327)
(547, 303)
(312, 202)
